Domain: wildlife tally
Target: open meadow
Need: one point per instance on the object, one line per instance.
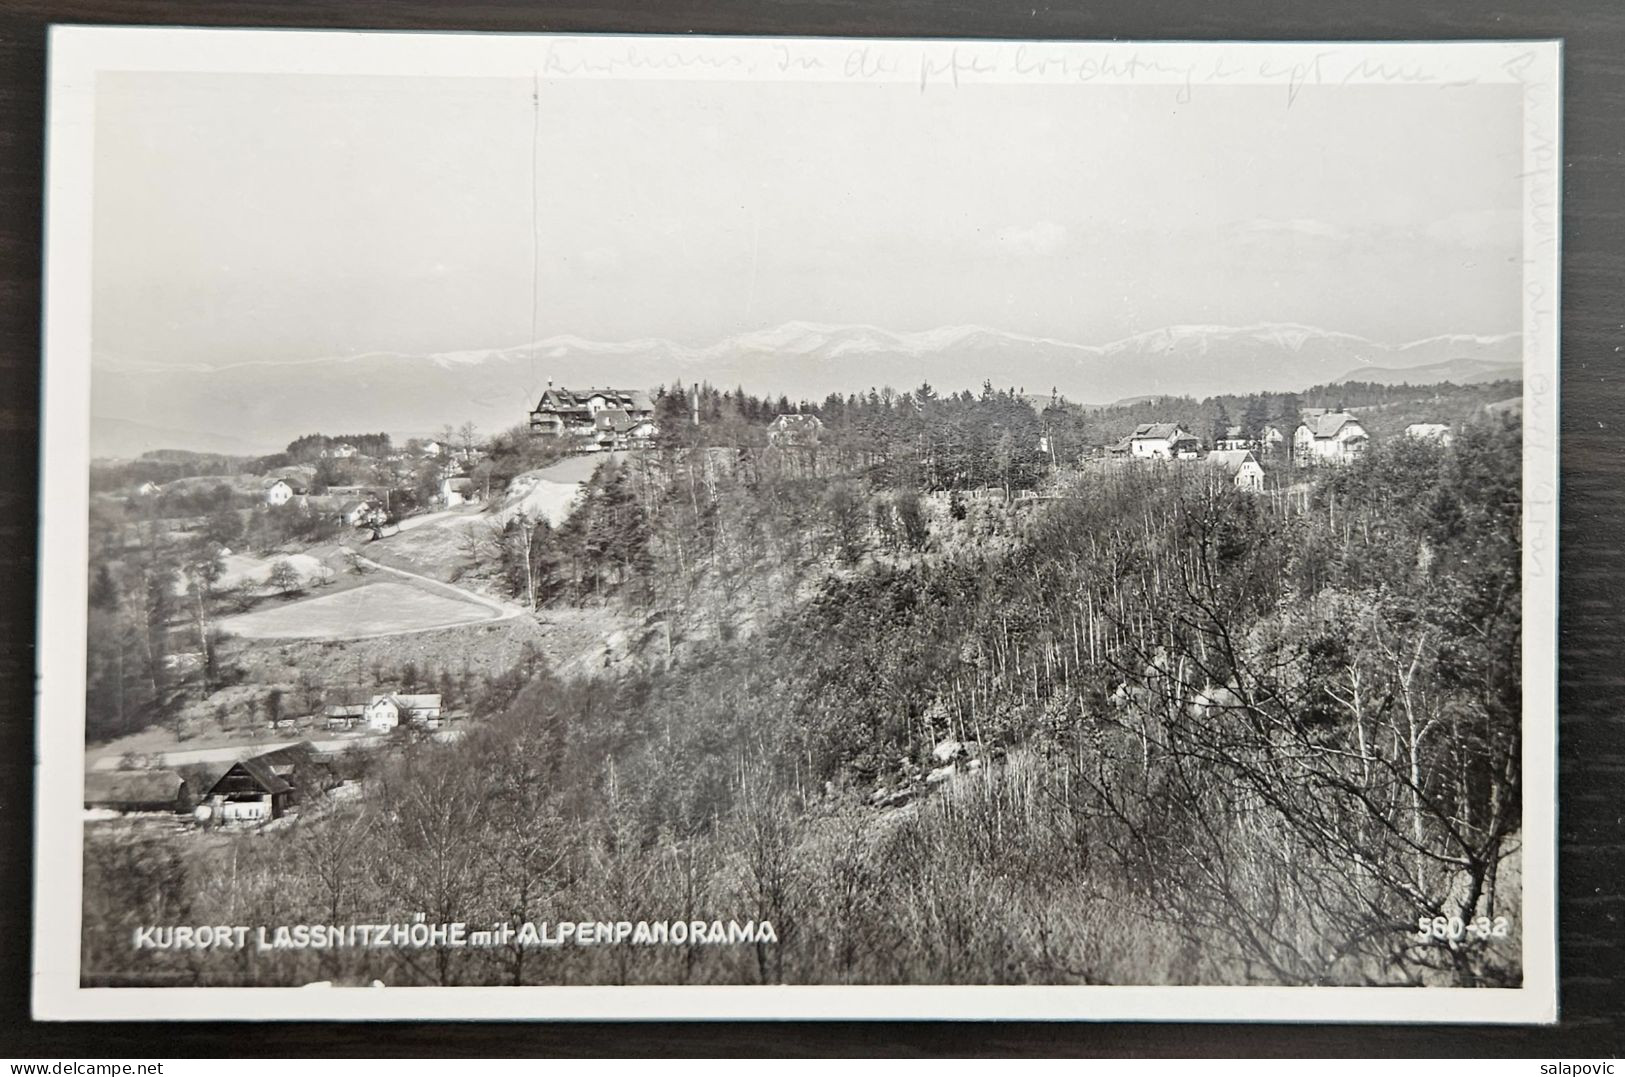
(375, 609)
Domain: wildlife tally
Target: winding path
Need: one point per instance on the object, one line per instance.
(374, 609)
(503, 610)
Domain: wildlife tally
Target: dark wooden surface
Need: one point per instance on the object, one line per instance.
(1592, 665)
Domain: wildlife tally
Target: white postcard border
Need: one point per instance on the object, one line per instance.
(78, 53)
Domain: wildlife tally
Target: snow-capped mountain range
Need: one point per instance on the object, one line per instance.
(263, 405)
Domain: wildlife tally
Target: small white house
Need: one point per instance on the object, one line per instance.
(385, 712)
(342, 451)
(1163, 441)
(1239, 465)
(147, 489)
(458, 490)
(278, 492)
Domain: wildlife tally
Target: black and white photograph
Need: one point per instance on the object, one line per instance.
(558, 526)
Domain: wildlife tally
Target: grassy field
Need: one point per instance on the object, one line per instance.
(373, 609)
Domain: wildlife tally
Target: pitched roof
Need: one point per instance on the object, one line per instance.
(131, 786)
(1233, 433)
(1165, 431)
(263, 775)
(301, 752)
(1327, 425)
(286, 762)
(559, 399)
(1231, 460)
(406, 702)
(345, 710)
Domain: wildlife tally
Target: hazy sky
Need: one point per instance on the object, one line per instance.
(244, 217)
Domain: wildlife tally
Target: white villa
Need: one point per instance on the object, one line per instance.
(562, 412)
(1163, 441)
(1334, 437)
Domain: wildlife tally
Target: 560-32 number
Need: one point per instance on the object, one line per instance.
(1454, 927)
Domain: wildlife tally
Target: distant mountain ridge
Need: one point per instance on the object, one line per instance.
(1461, 371)
(269, 403)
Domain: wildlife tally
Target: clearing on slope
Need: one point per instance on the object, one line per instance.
(374, 609)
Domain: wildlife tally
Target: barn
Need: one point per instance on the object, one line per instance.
(250, 792)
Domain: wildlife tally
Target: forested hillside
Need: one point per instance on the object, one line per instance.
(1147, 728)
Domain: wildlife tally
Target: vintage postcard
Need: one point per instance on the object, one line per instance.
(644, 527)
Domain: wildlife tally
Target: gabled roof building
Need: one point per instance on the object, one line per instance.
(386, 711)
(1163, 441)
(1328, 437)
(1240, 466)
(265, 786)
(564, 412)
(250, 792)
